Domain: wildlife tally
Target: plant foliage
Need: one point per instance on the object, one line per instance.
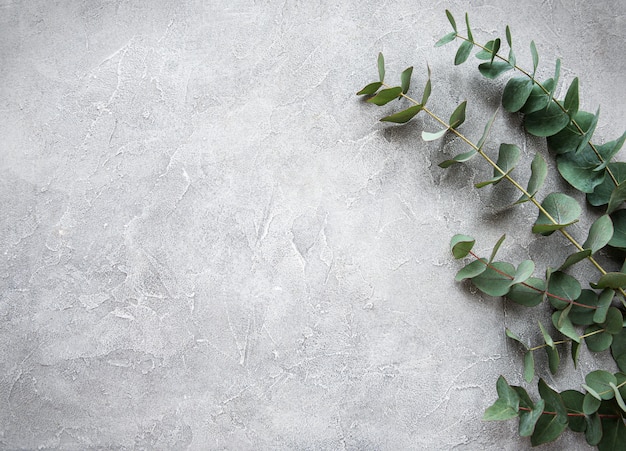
(592, 316)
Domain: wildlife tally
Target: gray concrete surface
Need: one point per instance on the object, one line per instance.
(209, 242)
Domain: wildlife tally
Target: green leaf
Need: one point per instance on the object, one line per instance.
(496, 280)
(523, 294)
(427, 89)
(487, 52)
(535, 55)
(602, 193)
(563, 289)
(432, 136)
(619, 230)
(486, 131)
(571, 101)
(458, 115)
(609, 150)
(618, 396)
(553, 359)
(589, 133)
(529, 366)
(511, 58)
(604, 302)
(611, 280)
(528, 420)
(593, 429)
(617, 197)
(381, 67)
(591, 402)
(471, 270)
(495, 49)
(575, 353)
(451, 20)
(618, 349)
(469, 30)
(507, 404)
(546, 336)
(575, 258)
(539, 171)
(369, 89)
(508, 156)
(494, 69)
(385, 96)
(579, 169)
(599, 341)
(463, 53)
(538, 99)
(613, 434)
(557, 74)
(507, 393)
(614, 321)
(496, 248)
(404, 115)
(563, 211)
(513, 336)
(405, 79)
(549, 426)
(446, 39)
(573, 401)
(460, 158)
(600, 234)
(546, 122)
(461, 245)
(516, 93)
(564, 325)
(583, 315)
(509, 40)
(524, 271)
(568, 139)
(599, 381)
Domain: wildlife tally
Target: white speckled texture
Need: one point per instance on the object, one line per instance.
(209, 242)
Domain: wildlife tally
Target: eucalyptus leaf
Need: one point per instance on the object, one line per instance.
(618, 196)
(471, 270)
(604, 303)
(524, 271)
(553, 359)
(469, 30)
(516, 93)
(446, 39)
(583, 312)
(614, 280)
(571, 101)
(593, 429)
(404, 115)
(600, 234)
(381, 67)
(578, 169)
(486, 131)
(495, 49)
(535, 56)
(487, 52)
(591, 402)
(405, 79)
(614, 321)
(599, 341)
(575, 258)
(563, 211)
(546, 336)
(494, 69)
(563, 289)
(458, 115)
(385, 96)
(538, 99)
(613, 433)
(496, 248)
(528, 420)
(370, 89)
(432, 136)
(451, 19)
(529, 366)
(460, 158)
(568, 139)
(461, 245)
(539, 171)
(549, 426)
(509, 40)
(557, 74)
(427, 89)
(496, 279)
(602, 193)
(589, 132)
(618, 240)
(618, 349)
(508, 157)
(529, 294)
(618, 397)
(464, 51)
(573, 401)
(546, 122)
(599, 381)
(563, 324)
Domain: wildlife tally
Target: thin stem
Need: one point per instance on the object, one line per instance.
(508, 276)
(543, 88)
(561, 342)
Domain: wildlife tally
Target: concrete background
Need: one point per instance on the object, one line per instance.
(209, 242)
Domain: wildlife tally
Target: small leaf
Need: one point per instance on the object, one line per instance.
(432, 136)
(535, 55)
(529, 366)
(599, 381)
(614, 321)
(546, 336)
(458, 115)
(381, 67)
(563, 289)
(513, 336)
(427, 89)
(507, 393)
(471, 270)
(496, 280)
(529, 294)
(385, 96)
(461, 245)
(575, 258)
(589, 133)
(553, 359)
(508, 156)
(546, 122)
(575, 353)
(495, 49)
(602, 193)
(405, 79)
(499, 411)
(563, 211)
(617, 197)
(591, 402)
(463, 53)
(524, 271)
(567, 140)
(487, 52)
(618, 349)
(613, 434)
(451, 20)
(496, 248)
(618, 396)
(573, 401)
(579, 169)
(583, 313)
(446, 39)
(516, 93)
(571, 101)
(486, 131)
(539, 171)
(604, 302)
(613, 280)
(460, 158)
(494, 69)
(538, 99)
(469, 30)
(528, 420)
(557, 74)
(370, 89)
(599, 341)
(509, 41)
(600, 234)
(549, 426)
(609, 150)
(564, 325)
(403, 116)
(593, 429)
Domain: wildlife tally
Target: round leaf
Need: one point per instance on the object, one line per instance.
(563, 210)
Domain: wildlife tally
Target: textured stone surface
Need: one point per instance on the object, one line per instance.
(209, 242)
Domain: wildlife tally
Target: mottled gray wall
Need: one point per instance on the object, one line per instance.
(209, 242)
